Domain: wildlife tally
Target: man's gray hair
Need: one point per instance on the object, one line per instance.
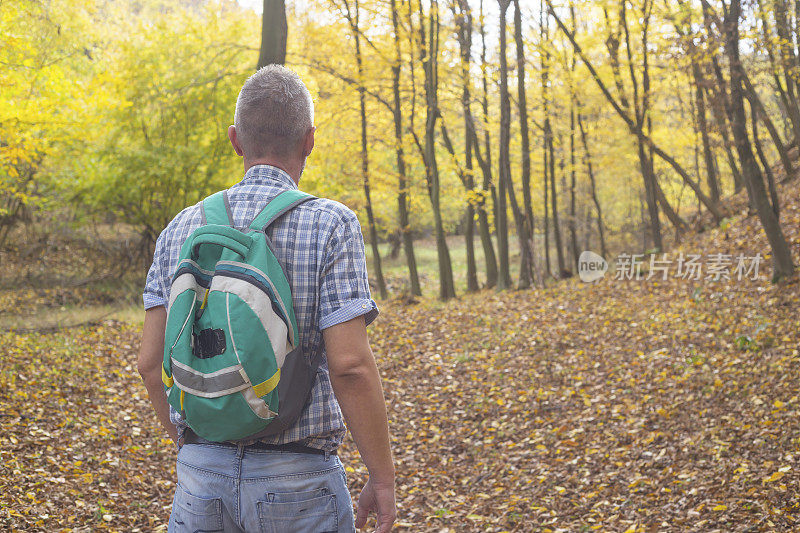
(274, 112)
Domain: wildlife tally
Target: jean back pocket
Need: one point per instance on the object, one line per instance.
(311, 511)
(194, 514)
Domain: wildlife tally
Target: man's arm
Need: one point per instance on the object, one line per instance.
(151, 357)
(357, 386)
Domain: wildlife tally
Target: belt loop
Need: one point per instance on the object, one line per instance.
(327, 455)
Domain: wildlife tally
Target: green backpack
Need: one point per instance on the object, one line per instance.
(233, 363)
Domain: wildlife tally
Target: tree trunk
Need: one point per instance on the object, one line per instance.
(504, 165)
(590, 172)
(362, 99)
(546, 192)
(702, 125)
(522, 106)
(672, 215)
(651, 198)
(469, 226)
(463, 16)
(773, 191)
(544, 56)
(573, 236)
(562, 270)
(481, 199)
(274, 31)
(402, 181)
(572, 171)
(487, 191)
(790, 63)
(643, 222)
(718, 111)
(781, 253)
(641, 110)
(723, 122)
(430, 58)
(786, 106)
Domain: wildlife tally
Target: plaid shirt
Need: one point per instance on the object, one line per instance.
(321, 248)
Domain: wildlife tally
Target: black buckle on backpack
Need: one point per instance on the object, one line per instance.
(208, 343)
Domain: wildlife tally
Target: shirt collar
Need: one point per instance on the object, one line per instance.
(259, 174)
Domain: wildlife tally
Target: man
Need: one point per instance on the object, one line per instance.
(293, 481)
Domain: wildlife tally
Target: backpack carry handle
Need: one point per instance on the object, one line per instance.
(223, 236)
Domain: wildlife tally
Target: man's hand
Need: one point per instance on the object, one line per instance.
(378, 499)
(357, 387)
(151, 357)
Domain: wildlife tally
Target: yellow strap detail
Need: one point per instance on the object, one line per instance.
(168, 381)
(265, 387)
(181, 400)
(205, 299)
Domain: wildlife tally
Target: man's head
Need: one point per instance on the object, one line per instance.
(274, 120)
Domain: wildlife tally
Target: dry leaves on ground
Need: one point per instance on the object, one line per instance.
(625, 406)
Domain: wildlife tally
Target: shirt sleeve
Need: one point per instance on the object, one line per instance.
(344, 284)
(155, 288)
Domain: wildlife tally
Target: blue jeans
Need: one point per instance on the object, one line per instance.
(227, 488)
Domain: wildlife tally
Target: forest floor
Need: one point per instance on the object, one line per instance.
(638, 405)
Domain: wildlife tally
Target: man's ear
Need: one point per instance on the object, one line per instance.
(308, 142)
(235, 141)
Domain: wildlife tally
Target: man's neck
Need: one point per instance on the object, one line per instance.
(294, 169)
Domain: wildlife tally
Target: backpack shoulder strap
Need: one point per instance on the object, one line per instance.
(216, 209)
(281, 204)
